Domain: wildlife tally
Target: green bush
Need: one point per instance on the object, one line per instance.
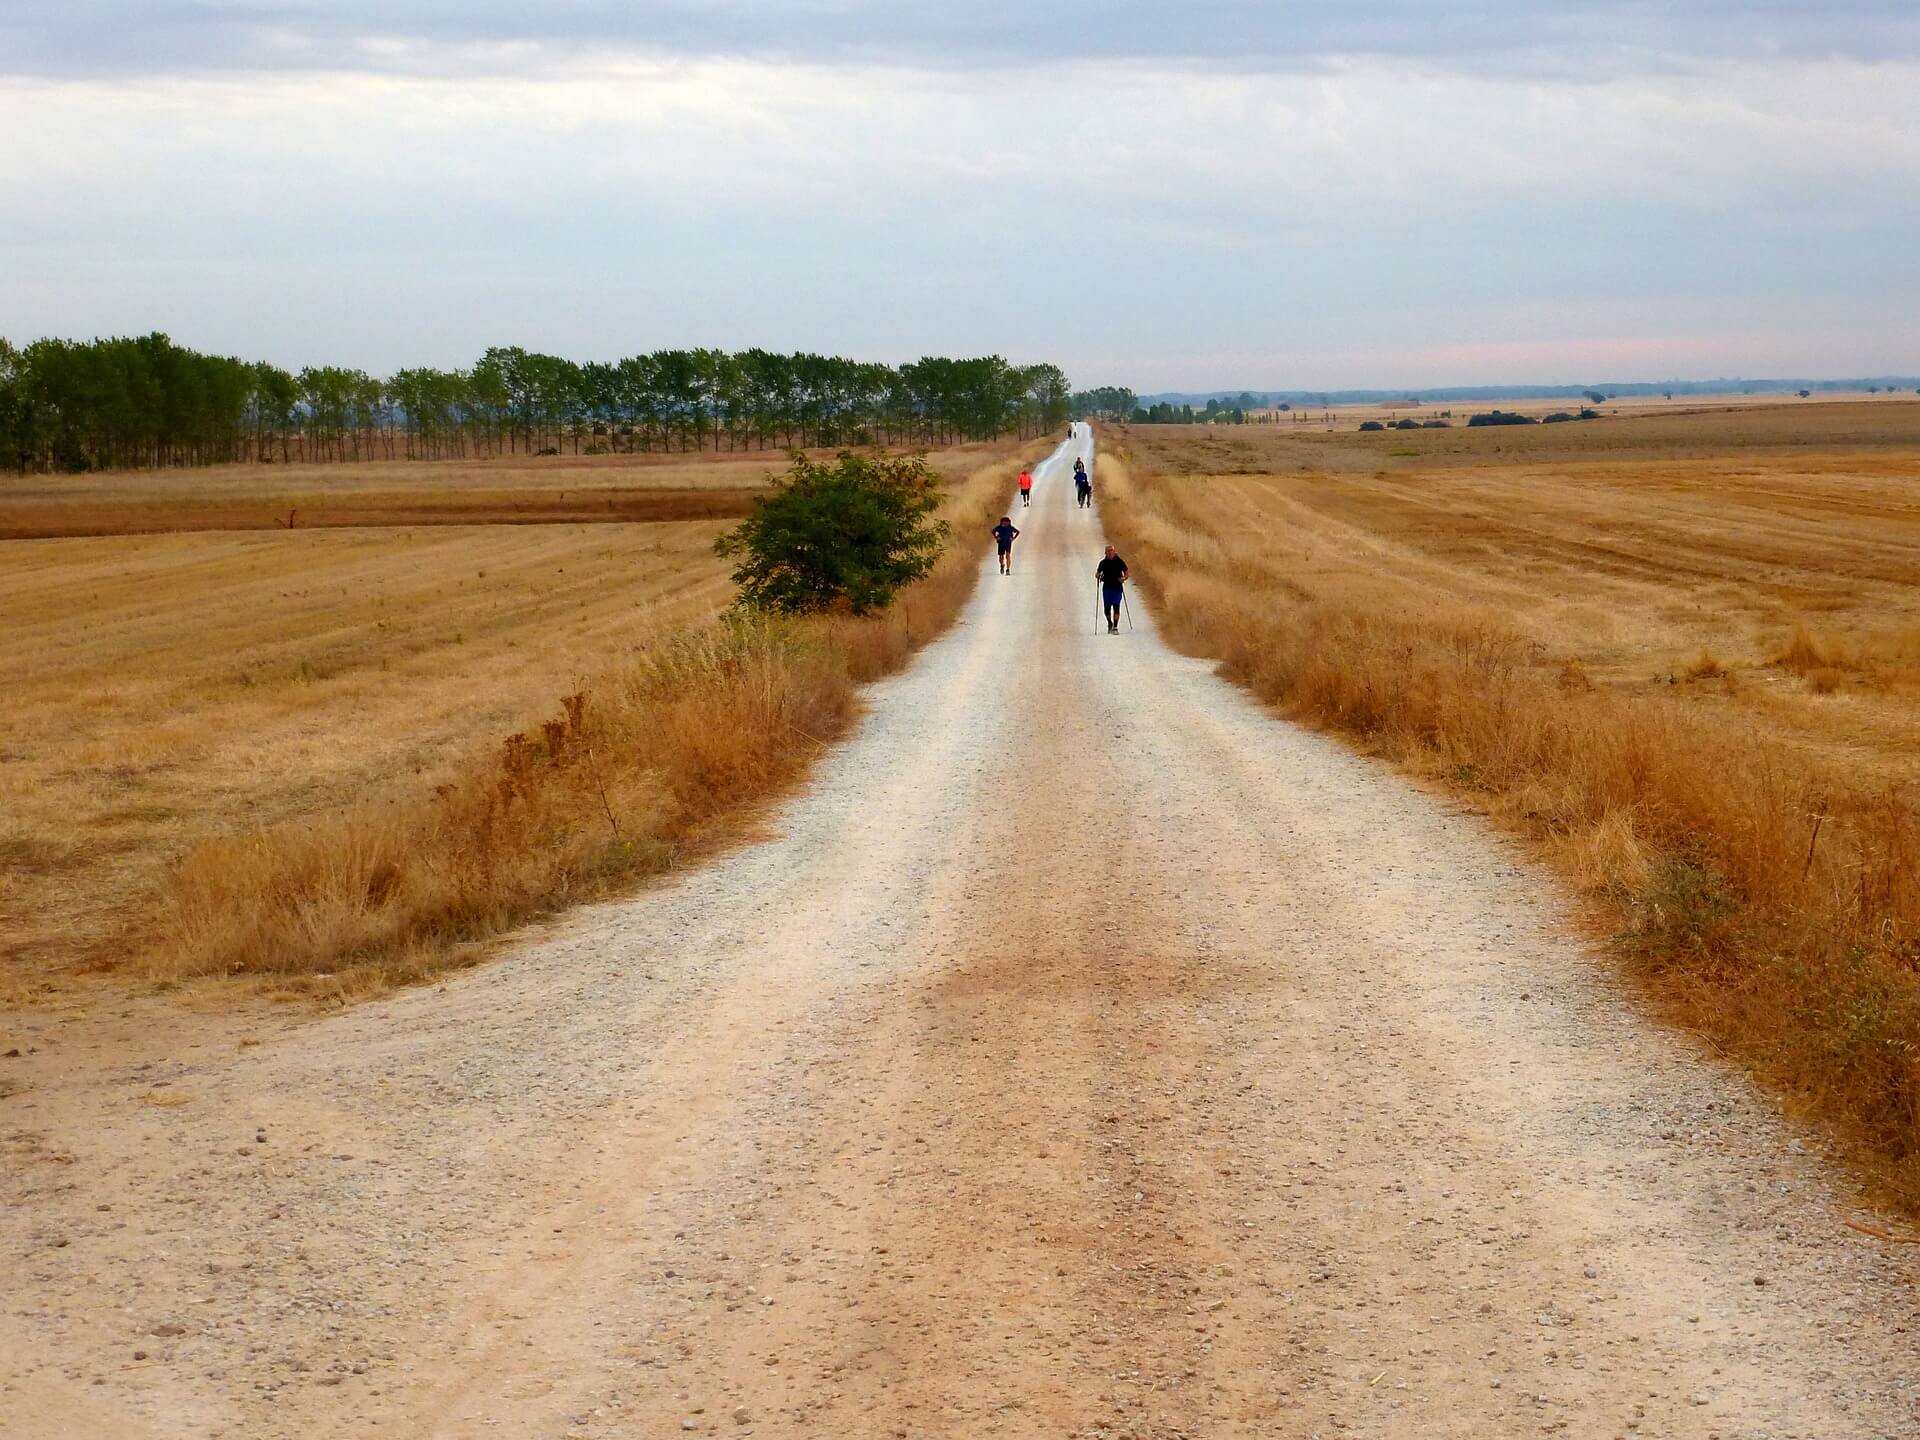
(846, 535)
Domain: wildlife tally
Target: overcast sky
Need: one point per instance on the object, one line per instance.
(1192, 196)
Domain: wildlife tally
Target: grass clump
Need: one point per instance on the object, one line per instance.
(1706, 666)
(1808, 654)
(624, 778)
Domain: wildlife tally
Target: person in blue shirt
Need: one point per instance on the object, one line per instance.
(1004, 535)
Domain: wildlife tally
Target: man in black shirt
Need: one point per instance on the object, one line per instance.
(1004, 534)
(1112, 575)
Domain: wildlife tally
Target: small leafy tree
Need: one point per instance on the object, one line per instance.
(847, 534)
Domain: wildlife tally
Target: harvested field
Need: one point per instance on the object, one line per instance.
(510, 490)
(1782, 404)
(1793, 569)
(165, 690)
(1682, 652)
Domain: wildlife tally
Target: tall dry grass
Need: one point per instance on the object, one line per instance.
(633, 772)
(1772, 901)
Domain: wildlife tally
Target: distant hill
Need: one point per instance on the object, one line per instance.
(1469, 393)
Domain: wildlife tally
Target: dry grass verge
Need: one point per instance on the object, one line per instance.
(1770, 898)
(632, 772)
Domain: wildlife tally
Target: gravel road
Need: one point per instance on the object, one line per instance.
(1085, 1053)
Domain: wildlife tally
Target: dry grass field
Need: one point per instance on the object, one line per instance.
(188, 676)
(506, 490)
(1665, 553)
(1349, 415)
(1681, 650)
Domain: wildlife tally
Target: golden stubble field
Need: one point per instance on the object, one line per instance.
(1763, 563)
(187, 668)
(1679, 651)
(1781, 404)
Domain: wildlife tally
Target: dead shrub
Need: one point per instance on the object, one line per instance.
(1573, 678)
(1706, 667)
(1806, 652)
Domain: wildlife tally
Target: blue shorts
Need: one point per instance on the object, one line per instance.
(1113, 594)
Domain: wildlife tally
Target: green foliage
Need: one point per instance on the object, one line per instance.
(12, 402)
(1105, 402)
(68, 405)
(1163, 412)
(847, 534)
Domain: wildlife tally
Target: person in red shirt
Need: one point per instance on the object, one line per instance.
(1026, 487)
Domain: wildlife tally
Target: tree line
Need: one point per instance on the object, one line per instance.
(144, 401)
(1112, 403)
(1163, 412)
(1118, 404)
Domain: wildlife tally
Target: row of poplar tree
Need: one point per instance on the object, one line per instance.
(145, 401)
(1118, 404)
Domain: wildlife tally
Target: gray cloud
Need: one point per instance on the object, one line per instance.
(1216, 197)
(59, 38)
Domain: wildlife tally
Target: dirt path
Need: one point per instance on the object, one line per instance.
(1087, 1055)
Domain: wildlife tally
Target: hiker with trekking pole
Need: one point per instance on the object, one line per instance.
(1004, 534)
(1110, 578)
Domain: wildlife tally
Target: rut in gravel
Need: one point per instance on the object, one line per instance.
(1087, 1053)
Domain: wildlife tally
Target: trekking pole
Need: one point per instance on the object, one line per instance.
(1096, 605)
(1128, 608)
